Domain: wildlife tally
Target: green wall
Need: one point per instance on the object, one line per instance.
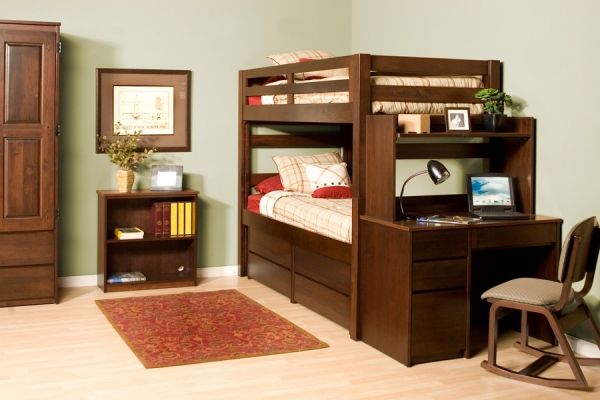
(551, 57)
(213, 39)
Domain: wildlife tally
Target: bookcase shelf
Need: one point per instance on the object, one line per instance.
(165, 260)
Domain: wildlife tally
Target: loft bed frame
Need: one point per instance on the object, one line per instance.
(322, 273)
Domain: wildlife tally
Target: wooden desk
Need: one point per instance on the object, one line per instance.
(420, 283)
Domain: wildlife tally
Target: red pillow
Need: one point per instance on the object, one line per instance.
(270, 184)
(254, 203)
(333, 192)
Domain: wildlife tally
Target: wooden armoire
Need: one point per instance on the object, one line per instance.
(29, 128)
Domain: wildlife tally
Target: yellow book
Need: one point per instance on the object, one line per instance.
(180, 218)
(193, 218)
(188, 218)
(173, 219)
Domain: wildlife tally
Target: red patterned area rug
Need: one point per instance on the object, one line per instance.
(188, 328)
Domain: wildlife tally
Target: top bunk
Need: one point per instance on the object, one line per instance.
(345, 89)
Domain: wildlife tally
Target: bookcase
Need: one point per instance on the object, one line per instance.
(165, 260)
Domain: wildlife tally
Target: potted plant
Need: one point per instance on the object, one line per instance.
(494, 102)
(123, 152)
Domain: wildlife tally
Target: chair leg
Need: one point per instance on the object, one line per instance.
(492, 338)
(524, 342)
(580, 381)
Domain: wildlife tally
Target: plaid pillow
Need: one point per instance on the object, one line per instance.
(292, 172)
(321, 176)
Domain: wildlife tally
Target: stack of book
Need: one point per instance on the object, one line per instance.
(173, 218)
(129, 233)
(123, 277)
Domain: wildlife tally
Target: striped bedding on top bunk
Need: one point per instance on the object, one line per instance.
(385, 107)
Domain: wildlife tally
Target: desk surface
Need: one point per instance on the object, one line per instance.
(414, 225)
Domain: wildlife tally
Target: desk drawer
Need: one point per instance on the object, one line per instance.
(439, 325)
(438, 244)
(440, 274)
(516, 235)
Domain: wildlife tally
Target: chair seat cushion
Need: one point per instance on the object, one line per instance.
(528, 290)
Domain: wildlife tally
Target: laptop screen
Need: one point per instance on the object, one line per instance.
(490, 191)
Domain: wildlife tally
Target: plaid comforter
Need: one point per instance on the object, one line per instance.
(328, 217)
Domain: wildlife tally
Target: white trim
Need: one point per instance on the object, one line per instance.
(583, 347)
(92, 280)
(215, 272)
(77, 281)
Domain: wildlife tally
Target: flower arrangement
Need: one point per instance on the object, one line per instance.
(123, 150)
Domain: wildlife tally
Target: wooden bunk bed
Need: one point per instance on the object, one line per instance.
(323, 273)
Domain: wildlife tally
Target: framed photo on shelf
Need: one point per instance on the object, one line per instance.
(166, 177)
(457, 119)
(155, 102)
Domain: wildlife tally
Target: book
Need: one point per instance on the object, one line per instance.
(180, 218)
(166, 208)
(129, 233)
(187, 228)
(156, 219)
(173, 222)
(450, 219)
(122, 277)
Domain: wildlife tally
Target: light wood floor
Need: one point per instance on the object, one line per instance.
(70, 351)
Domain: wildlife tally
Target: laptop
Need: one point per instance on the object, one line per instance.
(491, 197)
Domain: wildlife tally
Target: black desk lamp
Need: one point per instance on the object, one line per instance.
(438, 174)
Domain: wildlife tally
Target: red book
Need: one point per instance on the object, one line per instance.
(156, 219)
(166, 218)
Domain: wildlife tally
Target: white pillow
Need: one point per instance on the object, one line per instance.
(321, 176)
(292, 171)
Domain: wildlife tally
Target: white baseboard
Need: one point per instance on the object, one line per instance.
(583, 347)
(92, 280)
(216, 272)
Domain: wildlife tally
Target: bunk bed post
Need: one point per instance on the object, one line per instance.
(380, 167)
(493, 79)
(360, 95)
(243, 176)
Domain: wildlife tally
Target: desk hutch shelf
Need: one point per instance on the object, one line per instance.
(166, 261)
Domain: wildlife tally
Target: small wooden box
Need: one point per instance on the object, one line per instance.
(413, 123)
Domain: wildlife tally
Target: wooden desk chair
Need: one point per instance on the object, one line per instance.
(563, 307)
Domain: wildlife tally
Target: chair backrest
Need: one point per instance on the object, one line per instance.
(579, 254)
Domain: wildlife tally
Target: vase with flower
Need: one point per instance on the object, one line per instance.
(123, 151)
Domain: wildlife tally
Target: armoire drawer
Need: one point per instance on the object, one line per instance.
(26, 282)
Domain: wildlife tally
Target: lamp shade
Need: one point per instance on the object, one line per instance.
(437, 171)
(438, 174)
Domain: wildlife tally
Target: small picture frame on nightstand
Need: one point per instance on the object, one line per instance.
(166, 177)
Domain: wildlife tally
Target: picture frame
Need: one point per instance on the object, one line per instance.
(458, 119)
(166, 177)
(155, 102)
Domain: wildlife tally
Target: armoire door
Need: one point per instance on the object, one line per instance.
(27, 128)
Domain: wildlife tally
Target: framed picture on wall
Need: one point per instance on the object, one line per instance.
(457, 119)
(154, 102)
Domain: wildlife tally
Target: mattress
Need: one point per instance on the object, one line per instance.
(385, 107)
(328, 217)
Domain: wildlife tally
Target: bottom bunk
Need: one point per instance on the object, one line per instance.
(310, 269)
